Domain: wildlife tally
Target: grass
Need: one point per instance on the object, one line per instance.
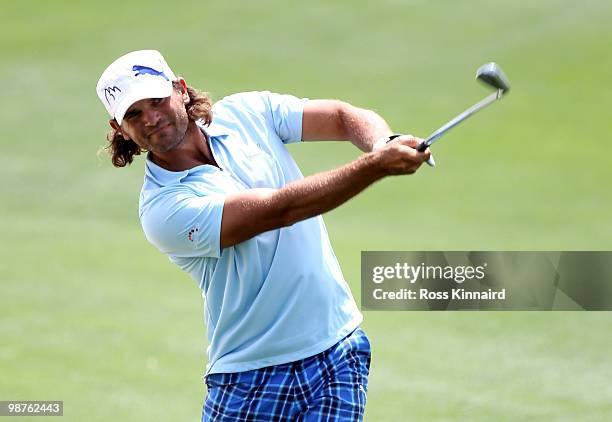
(94, 316)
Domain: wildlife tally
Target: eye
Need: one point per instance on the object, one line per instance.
(157, 101)
(130, 115)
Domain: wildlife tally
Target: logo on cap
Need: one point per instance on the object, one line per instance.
(108, 92)
(144, 70)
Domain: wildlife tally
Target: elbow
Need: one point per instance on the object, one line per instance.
(289, 218)
(346, 116)
(287, 212)
(286, 217)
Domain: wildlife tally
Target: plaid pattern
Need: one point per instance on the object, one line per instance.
(330, 386)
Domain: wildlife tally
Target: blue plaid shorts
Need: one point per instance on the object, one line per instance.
(330, 386)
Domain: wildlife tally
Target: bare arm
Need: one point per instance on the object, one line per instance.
(249, 213)
(336, 120)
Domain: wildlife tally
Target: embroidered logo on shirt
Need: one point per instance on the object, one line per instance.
(191, 233)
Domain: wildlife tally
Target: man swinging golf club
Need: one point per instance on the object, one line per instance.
(223, 198)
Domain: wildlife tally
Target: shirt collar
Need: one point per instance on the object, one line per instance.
(214, 130)
(160, 176)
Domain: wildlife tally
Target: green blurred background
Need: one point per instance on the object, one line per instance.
(93, 315)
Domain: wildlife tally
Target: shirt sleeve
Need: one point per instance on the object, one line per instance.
(186, 225)
(286, 112)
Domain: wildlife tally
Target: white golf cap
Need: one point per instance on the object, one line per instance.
(133, 77)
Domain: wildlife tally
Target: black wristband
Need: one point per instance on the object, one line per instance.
(392, 137)
(420, 147)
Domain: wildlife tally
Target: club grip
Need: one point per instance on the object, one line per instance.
(420, 147)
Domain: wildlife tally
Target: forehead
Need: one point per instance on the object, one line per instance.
(141, 104)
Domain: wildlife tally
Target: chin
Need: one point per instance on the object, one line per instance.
(168, 146)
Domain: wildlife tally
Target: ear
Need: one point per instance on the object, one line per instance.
(113, 123)
(184, 93)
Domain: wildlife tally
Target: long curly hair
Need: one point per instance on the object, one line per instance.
(122, 151)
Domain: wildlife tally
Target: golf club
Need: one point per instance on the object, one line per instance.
(491, 75)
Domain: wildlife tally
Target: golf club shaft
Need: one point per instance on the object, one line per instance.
(454, 122)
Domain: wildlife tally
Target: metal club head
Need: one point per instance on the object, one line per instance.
(492, 75)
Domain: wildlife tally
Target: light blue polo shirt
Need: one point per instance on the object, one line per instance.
(278, 297)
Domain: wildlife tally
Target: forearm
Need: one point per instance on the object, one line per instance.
(363, 127)
(254, 211)
(339, 121)
(325, 191)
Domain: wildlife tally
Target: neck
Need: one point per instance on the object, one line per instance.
(193, 151)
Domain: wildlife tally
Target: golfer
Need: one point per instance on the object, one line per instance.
(223, 198)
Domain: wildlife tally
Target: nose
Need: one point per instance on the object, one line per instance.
(151, 117)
